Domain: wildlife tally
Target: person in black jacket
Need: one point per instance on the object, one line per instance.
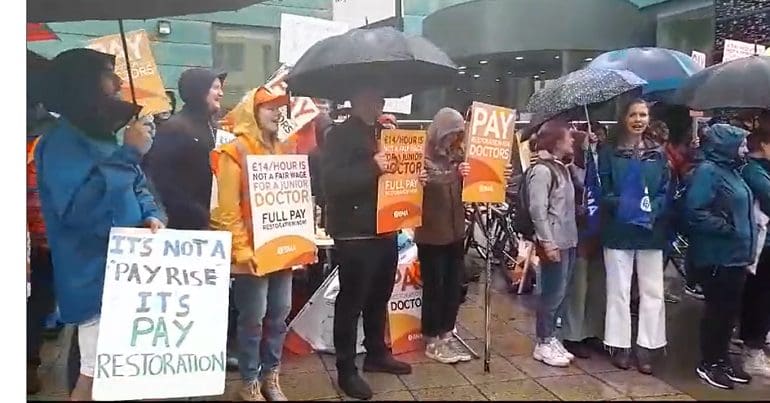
(178, 163)
(352, 163)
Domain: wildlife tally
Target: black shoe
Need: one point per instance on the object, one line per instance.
(644, 360)
(354, 386)
(386, 364)
(715, 376)
(579, 349)
(695, 292)
(621, 358)
(735, 372)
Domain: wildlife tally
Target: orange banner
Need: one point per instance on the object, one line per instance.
(405, 306)
(489, 147)
(148, 84)
(399, 194)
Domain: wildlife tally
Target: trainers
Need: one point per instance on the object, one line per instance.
(672, 298)
(549, 354)
(354, 386)
(735, 372)
(386, 364)
(271, 389)
(440, 350)
(250, 392)
(695, 292)
(715, 376)
(459, 349)
(755, 362)
(560, 347)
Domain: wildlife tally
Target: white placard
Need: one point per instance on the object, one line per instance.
(738, 50)
(163, 325)
(358, 13)
(299, 33)
(699, 58)
(401, 105)
(303, 111)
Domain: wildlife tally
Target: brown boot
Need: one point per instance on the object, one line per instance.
(271, 389)
(250, 392)
(33, 381)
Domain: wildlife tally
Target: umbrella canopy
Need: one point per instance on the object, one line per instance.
(81, 10)
(663, 69)
(738, 84)
(382, 58)
(39, 32)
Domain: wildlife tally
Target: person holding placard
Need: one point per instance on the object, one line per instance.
(263, 302)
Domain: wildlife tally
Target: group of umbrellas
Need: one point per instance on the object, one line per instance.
(656, 74)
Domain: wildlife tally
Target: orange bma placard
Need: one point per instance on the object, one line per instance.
(488, 151)
(148, 84)
(399, 194)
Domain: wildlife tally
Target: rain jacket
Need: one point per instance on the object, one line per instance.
(443, 212)
(178, 163)
(613, 167)
(233, 212)
(719, 204)
(757, 175)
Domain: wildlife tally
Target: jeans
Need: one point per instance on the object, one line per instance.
(40, 303)
(263, 304)
(755, 318)
(554, 277)
(441, 269)
(723, 288)
(367, 270)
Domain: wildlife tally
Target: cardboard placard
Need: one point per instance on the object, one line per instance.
(399, 194)
(299, 33)
(699, 58)
(737, 50)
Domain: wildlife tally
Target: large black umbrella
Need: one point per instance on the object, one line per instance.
(738, 84)
(383, 58)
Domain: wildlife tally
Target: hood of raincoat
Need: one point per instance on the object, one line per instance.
(242, 120)
(447, 121)
(74, 82)
(721, 142)
(194, 86)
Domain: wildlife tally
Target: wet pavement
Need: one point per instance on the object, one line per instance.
(514, 374)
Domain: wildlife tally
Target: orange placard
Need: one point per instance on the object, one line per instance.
(489, 147)
(148, 84)
(405, 309)
(399, 194)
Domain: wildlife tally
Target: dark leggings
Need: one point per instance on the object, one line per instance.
(755, 318)
(442, 271)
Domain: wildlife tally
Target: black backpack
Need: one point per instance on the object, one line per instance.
(522, 220)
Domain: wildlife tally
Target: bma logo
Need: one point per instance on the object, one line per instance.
(410, 277)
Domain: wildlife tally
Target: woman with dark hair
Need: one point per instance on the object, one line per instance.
(550, 199)
(634, 181)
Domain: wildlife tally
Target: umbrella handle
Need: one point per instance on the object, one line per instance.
(128, 62)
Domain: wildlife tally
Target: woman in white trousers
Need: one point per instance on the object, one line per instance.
(634, 243)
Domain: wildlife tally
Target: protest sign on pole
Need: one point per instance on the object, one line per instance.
(358, 13)
(281, 211)
(737, 50)
(405, 305)
(399, 194)
(488, 151)
(299, 33)
(401, 105)
(163, 324)
(303, 109)
(699, 58)
(148, 84)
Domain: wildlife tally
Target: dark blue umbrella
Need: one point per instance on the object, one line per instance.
(664, 69)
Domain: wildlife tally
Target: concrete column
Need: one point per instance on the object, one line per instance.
(517, 91)
(569, 62)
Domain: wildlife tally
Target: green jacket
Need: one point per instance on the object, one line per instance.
(757, 175)
(613, 166)
(719, 205)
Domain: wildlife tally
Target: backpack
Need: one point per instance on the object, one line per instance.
(522, 220)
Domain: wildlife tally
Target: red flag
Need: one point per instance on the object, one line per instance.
(39, 32)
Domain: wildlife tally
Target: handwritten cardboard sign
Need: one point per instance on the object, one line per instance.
(163, 326)
(299, 33)
(303, 109)
(282, 211)
(399, 194)
(488, 151)
(737, 50)
(148, 84)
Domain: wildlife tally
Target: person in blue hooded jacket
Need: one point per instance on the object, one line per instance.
(719, 208)
(88, 184)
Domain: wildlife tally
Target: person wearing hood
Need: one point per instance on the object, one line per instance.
(178, 163)
(634, 179)
(720, 213)
(755, 316)
(88, 184)
(258, 298)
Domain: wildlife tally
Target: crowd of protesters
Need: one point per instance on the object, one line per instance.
(604, 205)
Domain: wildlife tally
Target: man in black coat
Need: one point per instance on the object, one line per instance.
(178, 163)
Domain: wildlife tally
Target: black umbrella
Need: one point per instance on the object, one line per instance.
(738, 84)
(382, 58)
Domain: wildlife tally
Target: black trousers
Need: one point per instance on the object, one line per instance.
(73, 361)
(755, 318)
(367, 271)
(41, 302)
(723, 288)
(441, 269)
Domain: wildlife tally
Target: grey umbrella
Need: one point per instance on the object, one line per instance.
(383, 58)
(738, 84)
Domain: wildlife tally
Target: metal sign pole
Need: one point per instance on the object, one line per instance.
(488, 289)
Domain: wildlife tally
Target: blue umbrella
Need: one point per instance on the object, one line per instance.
(665, 70)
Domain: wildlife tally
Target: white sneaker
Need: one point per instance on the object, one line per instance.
(458, 349)
(549, 354)
(563, 350)
(755, 362)
(440, 351)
